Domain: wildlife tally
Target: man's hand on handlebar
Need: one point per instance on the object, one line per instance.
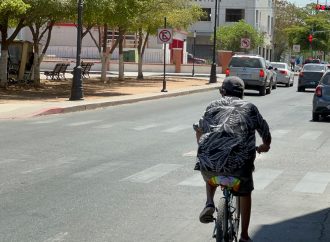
(263, 148)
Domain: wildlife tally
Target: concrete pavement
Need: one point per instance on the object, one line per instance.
(28, 109)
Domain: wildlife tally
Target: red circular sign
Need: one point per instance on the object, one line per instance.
(165, 36)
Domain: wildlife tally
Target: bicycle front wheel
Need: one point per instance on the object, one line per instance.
(221, 225)
(236, 215)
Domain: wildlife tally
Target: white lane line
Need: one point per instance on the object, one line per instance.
(193, 181)
(144, 127)
(177, 128)
(313, 182)
(96, 170)
(57, 238)
(311, 135)
(263, 177)
(104, 126)
(152, 173)
(190, 154)
(84, 123)
(279, 133)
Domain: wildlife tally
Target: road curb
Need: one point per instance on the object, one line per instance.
(97, 105)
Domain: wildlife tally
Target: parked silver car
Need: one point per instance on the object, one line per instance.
(310, 76)
(321, 99)
(252, 70)
(284, 74)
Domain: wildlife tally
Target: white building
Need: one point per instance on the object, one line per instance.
(258, 13)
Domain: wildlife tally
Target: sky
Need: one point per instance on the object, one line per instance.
(302, 3)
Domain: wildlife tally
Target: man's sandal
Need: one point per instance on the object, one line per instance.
(206, 216)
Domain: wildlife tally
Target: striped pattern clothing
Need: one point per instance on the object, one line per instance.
(228, 142)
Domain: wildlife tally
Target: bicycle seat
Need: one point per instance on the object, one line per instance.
(228, 182)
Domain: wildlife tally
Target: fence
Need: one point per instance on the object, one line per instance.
(151, 56)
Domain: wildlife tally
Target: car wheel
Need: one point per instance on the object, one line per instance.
(262, 91)
(301, 89)
(287, 84)
(316, 117)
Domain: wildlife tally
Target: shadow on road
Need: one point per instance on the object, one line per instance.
(313, 227)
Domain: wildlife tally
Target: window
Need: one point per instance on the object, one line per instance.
(206, 14)
(234, 15)
(326, 80)
(245, 62)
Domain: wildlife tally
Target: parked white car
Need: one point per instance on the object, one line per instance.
(284, 74)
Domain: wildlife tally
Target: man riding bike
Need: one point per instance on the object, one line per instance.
(227, 146)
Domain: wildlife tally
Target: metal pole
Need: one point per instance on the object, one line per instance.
(77, 88)
(164, 80)
(213, 76)
(194, 53)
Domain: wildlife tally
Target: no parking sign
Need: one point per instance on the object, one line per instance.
(245, 43)
(165, 36)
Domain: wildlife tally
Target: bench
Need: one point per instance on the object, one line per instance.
(86, 68)
(58, 72)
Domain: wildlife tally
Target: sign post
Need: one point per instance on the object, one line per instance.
(296, 48)
(245, 43)
(165, 36)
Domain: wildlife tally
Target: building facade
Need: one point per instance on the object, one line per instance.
(258, 13)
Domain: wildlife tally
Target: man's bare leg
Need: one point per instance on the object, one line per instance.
(210, 191)
(245, 205)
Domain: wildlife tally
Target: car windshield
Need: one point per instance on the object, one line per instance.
(245, 62)
(278, 65)
(313, 68)
(326, 79)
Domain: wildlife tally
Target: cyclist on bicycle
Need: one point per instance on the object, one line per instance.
(227, 146)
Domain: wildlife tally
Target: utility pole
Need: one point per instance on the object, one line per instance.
(213, 76)
(77, 89)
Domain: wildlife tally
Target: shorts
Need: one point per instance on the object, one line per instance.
(246, 185)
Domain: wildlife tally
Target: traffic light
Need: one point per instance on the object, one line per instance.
(310, 38)
(322, 7)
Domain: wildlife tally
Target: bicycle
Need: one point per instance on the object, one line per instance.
(228, 211)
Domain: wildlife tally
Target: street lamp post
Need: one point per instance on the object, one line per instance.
(213, 76)
(77, 89)
(194, 53)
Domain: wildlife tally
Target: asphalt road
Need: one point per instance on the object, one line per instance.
(125, 173)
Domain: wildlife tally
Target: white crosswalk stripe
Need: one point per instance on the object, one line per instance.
(84, 123)
(177, 128)
(279, 133)
(194, 181)
(192, 153)
(108, 167)
(144, 127)
(263, 177)
(311, 135)
(313, 182)
(104, 126)
(152, 173)
(48, 121)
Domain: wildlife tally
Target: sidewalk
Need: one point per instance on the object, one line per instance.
(110, 95)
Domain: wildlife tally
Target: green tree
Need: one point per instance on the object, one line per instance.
(180, 14)
(229, 36)
(11, 15)
(286, 16)
(40, 18)
(98, 14)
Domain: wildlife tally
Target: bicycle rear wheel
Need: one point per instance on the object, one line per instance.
(233, 231)
(221, 225)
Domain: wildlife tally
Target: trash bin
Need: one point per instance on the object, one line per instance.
(130, 56)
